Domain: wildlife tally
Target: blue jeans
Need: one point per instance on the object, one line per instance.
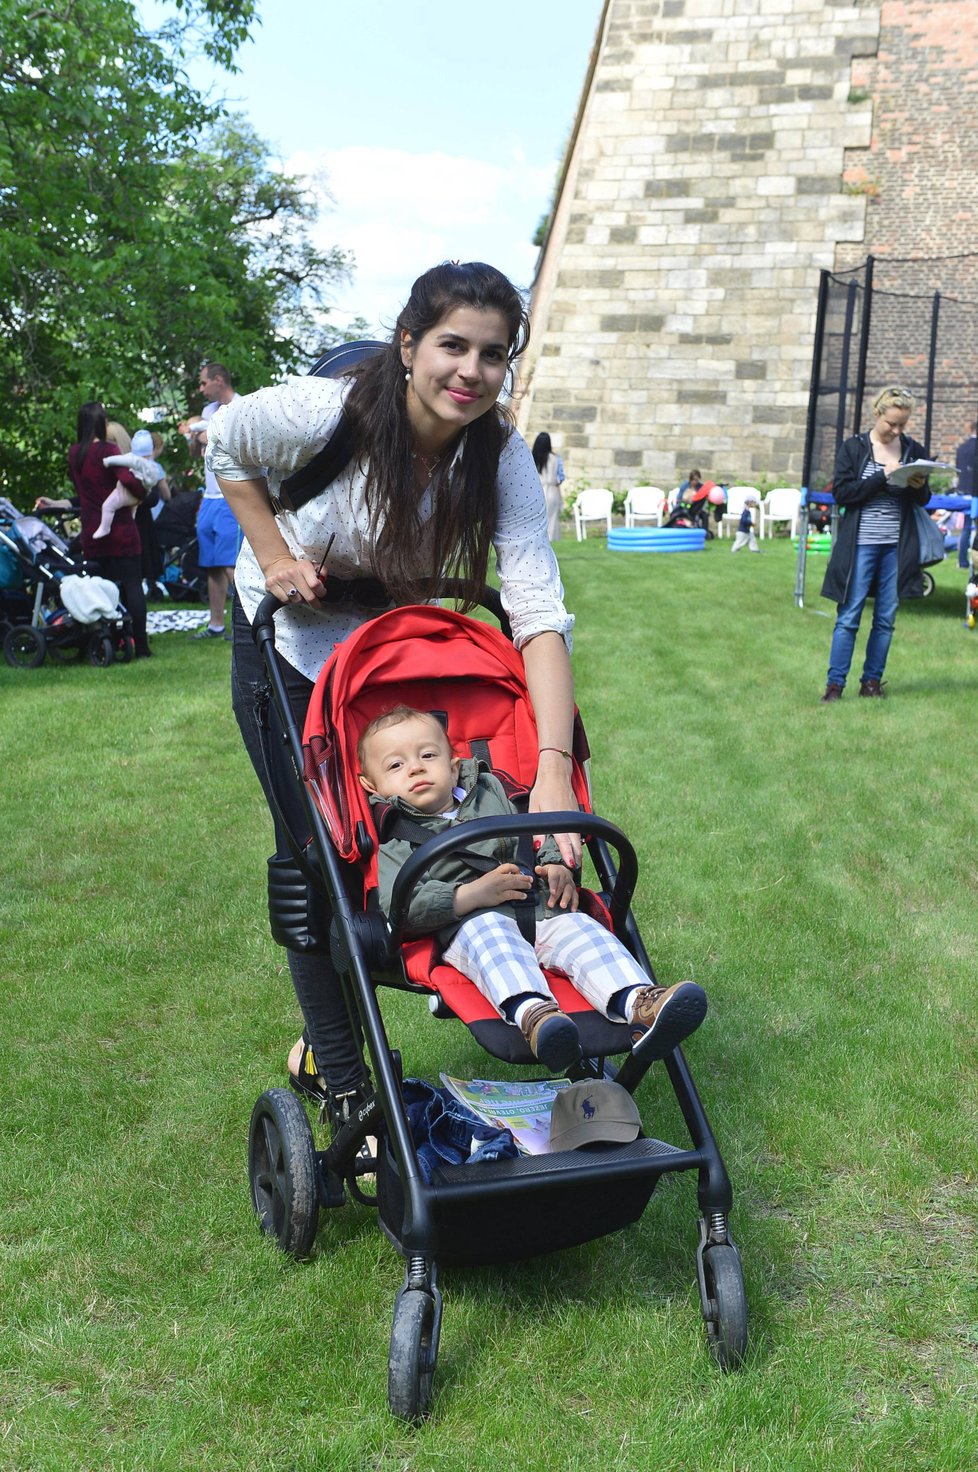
(882, 564)
(445, 1131)
(964, 543)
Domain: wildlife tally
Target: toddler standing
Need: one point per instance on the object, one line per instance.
(745, 531)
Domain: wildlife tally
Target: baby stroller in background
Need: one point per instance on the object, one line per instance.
(39, 615)
(693, 509)
(477, 1213)
(176, 530)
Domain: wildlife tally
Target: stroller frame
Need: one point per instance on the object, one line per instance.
(466, 1214)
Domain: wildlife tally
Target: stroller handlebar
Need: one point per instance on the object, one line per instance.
(460, 836)
(263, 626)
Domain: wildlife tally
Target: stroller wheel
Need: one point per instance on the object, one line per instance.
(24, 647)
(101, 651)
(928, 584)
(125, 648)
(411, 1362)
(726, 1324)
(282, 1172)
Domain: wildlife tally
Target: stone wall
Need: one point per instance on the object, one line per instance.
(675, 299)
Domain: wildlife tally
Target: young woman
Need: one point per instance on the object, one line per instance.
(550, 469)
(118, 556)
(876, 550)
(439, 479)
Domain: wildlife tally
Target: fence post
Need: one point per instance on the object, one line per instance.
(935, 316)
(840, 418)
(857, 416)
(814, 386)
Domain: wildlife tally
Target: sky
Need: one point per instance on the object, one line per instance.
(437, 129)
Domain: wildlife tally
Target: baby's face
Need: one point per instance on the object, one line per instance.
(413, 761)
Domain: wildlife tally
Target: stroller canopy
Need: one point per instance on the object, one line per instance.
(434, 660)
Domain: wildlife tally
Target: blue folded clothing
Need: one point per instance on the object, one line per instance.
(444, 1130)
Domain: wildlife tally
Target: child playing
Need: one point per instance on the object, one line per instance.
(406, 759)
(745, 530)
(149, 471)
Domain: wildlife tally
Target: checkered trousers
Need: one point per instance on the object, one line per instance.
(492, 953)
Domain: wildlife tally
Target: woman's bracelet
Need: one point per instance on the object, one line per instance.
(559, 750)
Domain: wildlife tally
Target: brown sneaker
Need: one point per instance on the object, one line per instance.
(832, 692)
(668, 1015)
(551, 1036)
(872, 688)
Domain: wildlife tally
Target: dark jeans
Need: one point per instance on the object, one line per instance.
(127, 572)
(328, 1029)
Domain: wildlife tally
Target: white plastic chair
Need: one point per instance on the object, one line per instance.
(644, 503)
(781, 504)
(736, 496)
(593, 505)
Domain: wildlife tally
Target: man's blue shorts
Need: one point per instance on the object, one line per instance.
(218, 534)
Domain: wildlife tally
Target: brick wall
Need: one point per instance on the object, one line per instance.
(918, 175)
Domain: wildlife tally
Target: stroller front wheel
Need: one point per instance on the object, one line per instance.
(101, 651)
(282, 1172)
(726, 1323)
(411, 1362)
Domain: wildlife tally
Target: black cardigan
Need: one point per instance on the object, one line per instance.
(851, 493)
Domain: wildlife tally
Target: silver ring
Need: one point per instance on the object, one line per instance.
(292, 593)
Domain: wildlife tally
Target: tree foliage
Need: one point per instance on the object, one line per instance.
(142, 230)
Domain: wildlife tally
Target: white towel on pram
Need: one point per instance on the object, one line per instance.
(89, 599)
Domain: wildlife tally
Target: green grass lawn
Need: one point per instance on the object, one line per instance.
(814, 867)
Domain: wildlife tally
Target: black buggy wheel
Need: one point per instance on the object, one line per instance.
(726, 1318)
(411, 1361)
(124, 648)
(101, 651)
(24, 647)
(929, 584)
(282, 1172)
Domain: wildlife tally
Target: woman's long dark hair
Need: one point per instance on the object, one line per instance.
(90, 427)
(542, 450)
(411, 553)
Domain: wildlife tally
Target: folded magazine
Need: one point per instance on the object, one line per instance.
(523, 1108)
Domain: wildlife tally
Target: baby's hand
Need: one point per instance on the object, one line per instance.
(560, 883)
(506, 884)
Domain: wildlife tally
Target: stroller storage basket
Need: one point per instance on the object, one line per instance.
(557, 1201)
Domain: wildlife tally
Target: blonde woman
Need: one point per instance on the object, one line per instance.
(876, 551)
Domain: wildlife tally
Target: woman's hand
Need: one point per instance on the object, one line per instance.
(560, 884)
(552, 793)
(293, 580)
(914, 482)
(45, 503)
(506, 884)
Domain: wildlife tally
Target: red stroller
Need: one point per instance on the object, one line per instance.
(438, 660)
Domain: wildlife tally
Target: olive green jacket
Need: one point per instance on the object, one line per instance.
(432, 905)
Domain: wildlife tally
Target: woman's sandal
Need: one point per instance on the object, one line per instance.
(305, 1077)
